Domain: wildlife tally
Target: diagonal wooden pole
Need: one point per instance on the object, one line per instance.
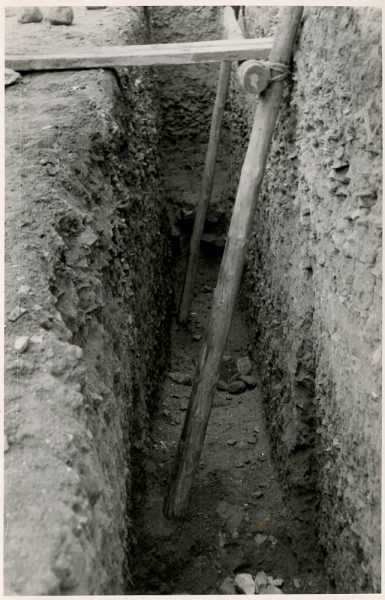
(198, 413)
(206, 190)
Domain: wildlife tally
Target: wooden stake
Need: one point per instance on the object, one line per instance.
(233, 31)
(198, 413)
(206, 189)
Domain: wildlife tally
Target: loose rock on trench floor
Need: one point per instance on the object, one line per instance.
(236, 522)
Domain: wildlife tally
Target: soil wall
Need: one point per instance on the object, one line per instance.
(87, 263)
(312, 285)
(186, 98)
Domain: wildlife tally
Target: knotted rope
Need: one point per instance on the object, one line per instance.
(281, 69)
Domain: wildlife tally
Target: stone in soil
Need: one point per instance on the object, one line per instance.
(30, 15)
(21, 343)
(249, 380)
(16, 313)
(278, 581)
(244, 365)
(261, 581)
(234, 377)
(183, 404)
(24, 290)
(87, 238)
(227, 586)
(52, 170)
(244, 583)
(177, 393)
(260, 539)
(11, 76)
(221, 401)
(182, 378)
(237, 387)
(222, 386)
(258, 494)
(61, 15)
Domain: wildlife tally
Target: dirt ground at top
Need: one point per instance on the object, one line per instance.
(89, 28)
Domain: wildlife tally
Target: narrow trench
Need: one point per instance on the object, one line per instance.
(98, 400)
(238, 520)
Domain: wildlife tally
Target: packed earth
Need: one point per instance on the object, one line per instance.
(237, 520)
(103, 176)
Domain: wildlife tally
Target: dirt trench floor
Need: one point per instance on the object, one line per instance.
(237, 520)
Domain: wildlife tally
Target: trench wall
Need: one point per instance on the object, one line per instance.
(312, 285)
(186, 99)
(87, 232)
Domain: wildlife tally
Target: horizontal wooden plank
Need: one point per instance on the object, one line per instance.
(152, 54)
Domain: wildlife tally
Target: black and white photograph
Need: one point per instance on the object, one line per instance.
(192, 299)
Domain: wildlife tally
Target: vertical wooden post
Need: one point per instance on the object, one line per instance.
(206, 189)
(206, 375)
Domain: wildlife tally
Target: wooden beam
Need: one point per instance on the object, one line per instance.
(231, 30)
(206, 190)
(205, 379)
(153, 54)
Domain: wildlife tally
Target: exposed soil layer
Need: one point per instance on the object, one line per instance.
(313, 283)
(87, 268)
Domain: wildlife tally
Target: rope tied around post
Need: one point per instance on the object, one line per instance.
(282, 69)
(256, 75)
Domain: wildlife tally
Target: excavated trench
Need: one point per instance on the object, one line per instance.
(238, 519)
(130, 168)
(127, 178)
